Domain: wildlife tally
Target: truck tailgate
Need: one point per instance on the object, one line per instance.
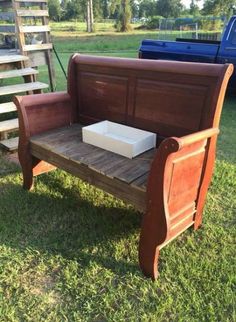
(182, 51)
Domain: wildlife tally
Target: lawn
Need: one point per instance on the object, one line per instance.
(68, 251)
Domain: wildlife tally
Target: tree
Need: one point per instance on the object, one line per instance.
(219, 7)
(104, 6)
(147, 8)
(169, 8)
(124, 14)
(194, 9)
(71, 9)
(54, 9)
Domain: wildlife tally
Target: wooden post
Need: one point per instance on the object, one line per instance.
(48, 53)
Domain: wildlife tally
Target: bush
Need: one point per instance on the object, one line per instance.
(154, 22)
(210, 23)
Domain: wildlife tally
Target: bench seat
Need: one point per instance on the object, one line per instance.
(63, 147)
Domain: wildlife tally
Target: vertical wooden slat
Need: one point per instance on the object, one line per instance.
(51, 71)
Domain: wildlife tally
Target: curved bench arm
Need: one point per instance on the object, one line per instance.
(42, 112)
(38, 113)
(179, 175)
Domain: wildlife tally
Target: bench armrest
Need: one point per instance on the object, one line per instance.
(177, 185)
(42, 112)
(196, 137)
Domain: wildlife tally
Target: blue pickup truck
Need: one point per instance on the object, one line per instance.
(195, 50)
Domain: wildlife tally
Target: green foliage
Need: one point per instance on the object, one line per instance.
(219, 7)
(169, 8)
(54, 9)
(194, 9)
(147, 8)
(71, 9)
(154, 22)
(210, 23)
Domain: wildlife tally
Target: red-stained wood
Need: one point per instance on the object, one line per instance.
(181, 102)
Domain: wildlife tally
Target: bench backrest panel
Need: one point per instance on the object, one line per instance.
(169, 98)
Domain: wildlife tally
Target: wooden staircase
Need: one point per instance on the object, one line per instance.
(14, 66)
(31, 22)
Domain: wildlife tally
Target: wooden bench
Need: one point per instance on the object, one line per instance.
(181, 102)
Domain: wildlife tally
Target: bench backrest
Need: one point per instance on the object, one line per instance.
(166, 97)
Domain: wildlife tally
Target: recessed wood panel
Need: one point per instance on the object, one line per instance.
(102, 97)
(54, 115)
(185, 180)
(169, 108)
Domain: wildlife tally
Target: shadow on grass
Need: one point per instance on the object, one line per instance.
(57, 220)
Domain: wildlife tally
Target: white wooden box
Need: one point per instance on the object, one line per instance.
(118, 138)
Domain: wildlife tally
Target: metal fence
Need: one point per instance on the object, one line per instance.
(205, 29)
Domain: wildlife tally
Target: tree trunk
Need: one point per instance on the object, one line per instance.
(88, 17)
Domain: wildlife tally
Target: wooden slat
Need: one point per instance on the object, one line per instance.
(18, 73)
(12, 59)
(67, 142)
(19, 88)
(130, 171)
(10, 145)
(32, 13)
(6, 15)
(5, 4)
(141, 182)
(37, 47)
(37, 58)
(7, 107)
(7, 29)
(31, 29)
(48, 53)
(116, 187)
(9, 125)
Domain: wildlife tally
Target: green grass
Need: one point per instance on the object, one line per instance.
(68, 251)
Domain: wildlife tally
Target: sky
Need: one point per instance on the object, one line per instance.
(187, 2)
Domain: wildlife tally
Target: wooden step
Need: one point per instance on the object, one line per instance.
(7, 29)
(19, 88)
(9, 125)
(10, 145)
(12, 59)
(18, 73)
(5, 4)
(37, 47)
(7, 107)
(32, 13)
(7, 16)
(31, 29)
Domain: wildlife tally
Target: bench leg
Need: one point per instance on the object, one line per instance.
(27, 170)
(198, 218)
(28, 181)
(148, 251)
(32, 168)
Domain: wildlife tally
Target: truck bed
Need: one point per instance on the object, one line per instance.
(199, 41)
(179, 50)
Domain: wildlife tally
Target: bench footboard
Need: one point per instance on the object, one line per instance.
(177, 186)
